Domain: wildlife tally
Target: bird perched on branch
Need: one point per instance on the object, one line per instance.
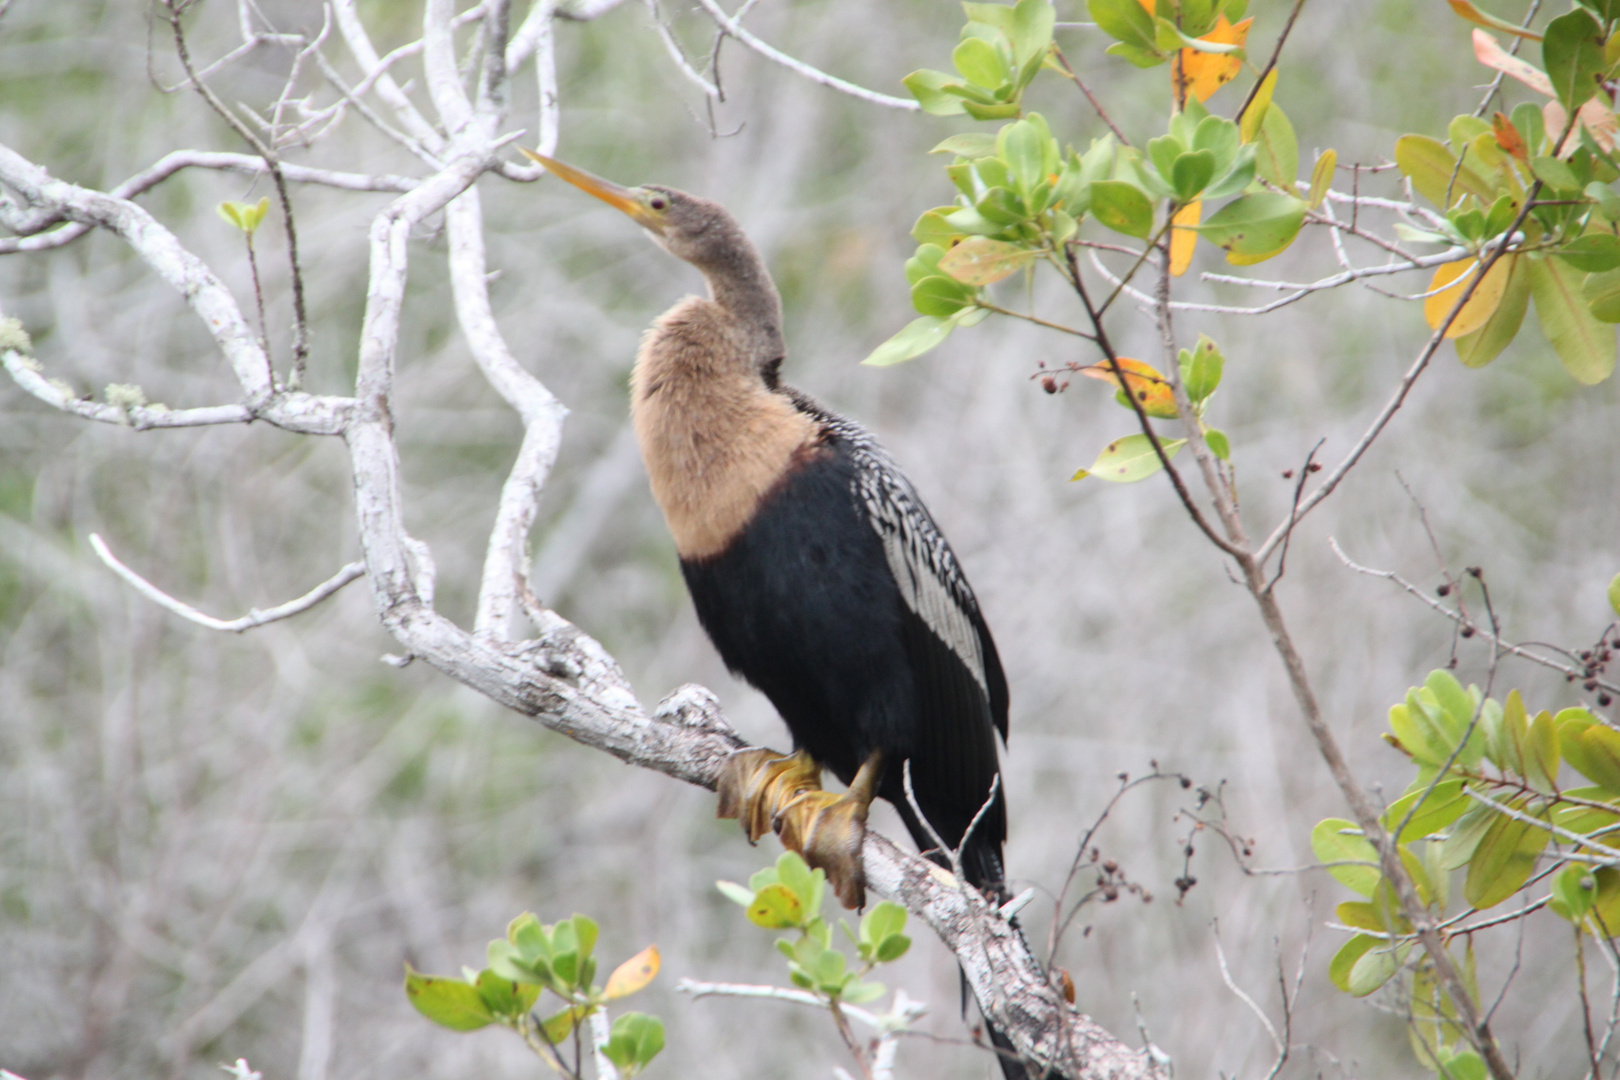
(816, 571)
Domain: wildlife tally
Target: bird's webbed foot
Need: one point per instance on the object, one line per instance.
(768, 791)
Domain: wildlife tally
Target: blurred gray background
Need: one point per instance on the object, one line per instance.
(216, 846)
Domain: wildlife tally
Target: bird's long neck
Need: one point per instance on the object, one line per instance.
(742, 288)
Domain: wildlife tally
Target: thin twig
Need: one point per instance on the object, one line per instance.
(254, 618)
(1254, 1007)
(1282, 39)
(1462, 619)
(815, 75)
(300, 322)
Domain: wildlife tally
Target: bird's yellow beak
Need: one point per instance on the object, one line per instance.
(632, 201)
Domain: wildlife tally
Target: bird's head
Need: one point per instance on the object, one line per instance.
(690, 228)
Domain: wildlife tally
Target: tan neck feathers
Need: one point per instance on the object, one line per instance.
(714, 437)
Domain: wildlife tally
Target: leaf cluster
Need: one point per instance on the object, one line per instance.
(1486, 800)
(1131, 458)
(788, 896)
(533, 958)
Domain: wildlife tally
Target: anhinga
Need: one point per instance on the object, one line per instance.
(815, 568)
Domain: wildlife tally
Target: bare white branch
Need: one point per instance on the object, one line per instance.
(1254, 1007)
(599, 1040)
(676, 54)
(254, 618)
(815, 75)
(506, 562)
(246, 164)
(365, 54)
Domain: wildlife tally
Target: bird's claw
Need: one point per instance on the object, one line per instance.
(772, 793)
(829, 830)
(755, 783)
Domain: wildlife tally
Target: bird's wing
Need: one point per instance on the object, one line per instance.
(930, 579)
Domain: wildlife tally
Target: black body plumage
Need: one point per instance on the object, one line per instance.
(842, 602)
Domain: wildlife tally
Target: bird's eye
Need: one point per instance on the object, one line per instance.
(657, 203)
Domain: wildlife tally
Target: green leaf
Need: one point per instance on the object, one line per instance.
(991, 112)
(1023, 148)
(1505, 858)
(734, 892)
(559, 1026)
(1479, 347)
(1162, 152)
(928, 87)
(1600, 754)
(1443, 806)
(635, 1040)
(1346, 958)
(1191, 173)
(885, 918)
(892, 947)
(1541, 754)
(1255, 225)
(859, 993)
(981, 63)
(1129, 459)
(1555, 174)
(932, 228)
(972, 144)
(1322, 177)
(1218, 443)
(1464, 840)
(1601, 292)
(1575, 889)
(1572, 52)
(940, 295)
(1365, 915)
(1124, 20)
(1614, 594)
(1434, 173)
(1032, 24)
(1201, 369)
(1140, 55)
(776, 907)
(448, 1002)
(1451, 697)
(1277, 160)
(506, 997)
(1375, 967)
(1584, 345)
(1606, 197)
(1336, 840)
(1122, 207)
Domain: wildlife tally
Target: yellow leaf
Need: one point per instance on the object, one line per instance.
(1202, 73)
(1249, 130)
(1322, 177)
(1145, 384)
(1450, 280)
(1183, 240)
(633, 974)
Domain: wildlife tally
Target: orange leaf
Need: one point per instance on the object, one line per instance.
(1509, 139)
(633, 974)
(1596, 117)
(1146, 385)
(1488, 52)
(1203, 73)
(1450, 280)
(1182, 239)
